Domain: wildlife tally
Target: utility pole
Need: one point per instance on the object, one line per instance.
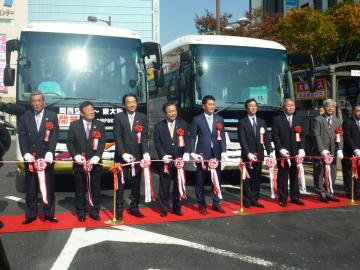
(218, 17)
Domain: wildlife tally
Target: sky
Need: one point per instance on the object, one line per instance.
(177, 16)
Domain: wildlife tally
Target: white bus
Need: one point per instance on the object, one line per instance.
(71, 63)
(232, 69)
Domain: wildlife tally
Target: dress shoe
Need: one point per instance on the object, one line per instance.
(95, 217)
(203, 211)
(119, 216)
(283, 204)
(297, 201)
(179, 213)
(257, 204)
(219, 209)
(136, 213)
(324, 200)
(52, 219)
(333, 199)
(81, 218)
(28, 220)
(247, 204)
(163, 214)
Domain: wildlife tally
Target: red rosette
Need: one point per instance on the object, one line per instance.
(270, 162)
(96, 134)
(213, 163)
(328, 159)
(299, 159)
(49, 125)
(40, 164)
(138, 128)
(145, 163)
(179, 163)
(87, 166)
(180, 132)
(298, 129)
(219, 126)
(338, 130)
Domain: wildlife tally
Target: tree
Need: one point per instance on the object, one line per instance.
(207, 24)
(309, 31)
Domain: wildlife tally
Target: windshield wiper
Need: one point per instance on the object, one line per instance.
(59, 99)
(227, 107)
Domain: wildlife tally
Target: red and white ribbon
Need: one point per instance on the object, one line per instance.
(262, 132)
(301, 173)
(166, 168)
(181, 180)
(203, 166)
(213, 164)
(47, 135)
(181, 142)
(95, 143)
(328, 159)
(354, 166)
(149, 193)
(118, 169)
(40, 166)
(297, 137)
(138, 136)
(87, 166)
(133, 172)
(270, 163)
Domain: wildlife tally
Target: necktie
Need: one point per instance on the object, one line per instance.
(289, 120)
(131, 119)
(210, 122)
(171, 130)
(87, 130)
(329, 122)
(254, 124)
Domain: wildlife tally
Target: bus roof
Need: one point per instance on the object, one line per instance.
(79, 28)
(221, 40)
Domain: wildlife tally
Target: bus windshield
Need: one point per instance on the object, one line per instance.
(63, 66)
(235, 74)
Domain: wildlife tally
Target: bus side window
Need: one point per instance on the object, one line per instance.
(185, 95)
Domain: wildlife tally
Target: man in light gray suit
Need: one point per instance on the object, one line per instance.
(324, 132)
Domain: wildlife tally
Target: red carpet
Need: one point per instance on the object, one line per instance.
(69, 220)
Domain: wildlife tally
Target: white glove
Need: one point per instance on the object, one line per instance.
(29, 157)
(94, 160)
(340, 154)
(252, 157)
(357, 152)
(301, 153)
(224, 156)
(196, 157)
(284, 152)
(79, 159)
(127, 157)
(325, 152)
(146, 156)
(186, 157)
(272, 154)
(167, 158)
(49, 157)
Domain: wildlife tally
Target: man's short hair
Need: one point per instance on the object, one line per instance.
(328, 102)
(248, 101)
(355, 105)
(129, 95)
(85, 104)
(37, 93)
(207, 98)
(167, 104)
(287, 100)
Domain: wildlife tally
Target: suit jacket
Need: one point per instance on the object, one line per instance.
(200, 130)
(78, 144)
(351, 134)
(126, 139)
(249, 142)
(31, 140)
(324, 137)
(284, 137)
(165, 145)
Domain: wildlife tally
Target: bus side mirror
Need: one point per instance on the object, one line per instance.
(9, 76)
(159, 77)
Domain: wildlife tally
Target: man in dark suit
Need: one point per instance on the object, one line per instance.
(204, 130)
(38, 135)
(130, 145)
(169, 147)
(323, 131)
(252, 149)
(86, 142)
(351, 129)
(286, 145)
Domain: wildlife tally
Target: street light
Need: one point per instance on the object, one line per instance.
(95, 19)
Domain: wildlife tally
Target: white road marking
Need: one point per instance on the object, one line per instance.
(16, 199)
(80, 238)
